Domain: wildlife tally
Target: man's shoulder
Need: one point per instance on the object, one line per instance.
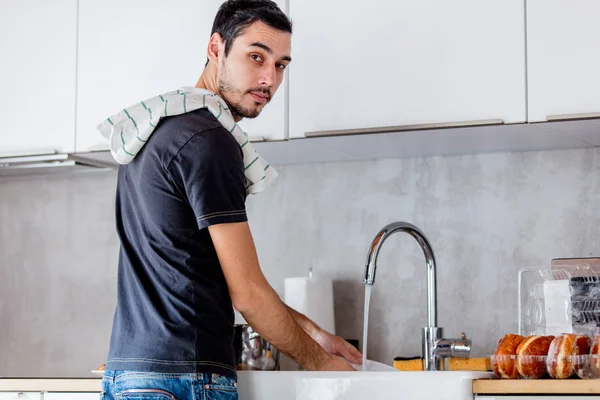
(197, 130)
(187, 124)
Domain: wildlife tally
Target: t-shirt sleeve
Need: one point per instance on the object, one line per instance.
(209, 171)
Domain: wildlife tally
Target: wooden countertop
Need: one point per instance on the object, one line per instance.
(536, 386)
(50, 385)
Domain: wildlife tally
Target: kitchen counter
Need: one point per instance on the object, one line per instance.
(536, 386)
(50, 385)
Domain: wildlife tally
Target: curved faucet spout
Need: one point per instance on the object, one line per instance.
(371, 264)
(435, 346)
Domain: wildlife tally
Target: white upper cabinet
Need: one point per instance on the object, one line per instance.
(563, 59)
(38, 67)
(72, 396)
(384, 63)
(21, 396)
(132, 50)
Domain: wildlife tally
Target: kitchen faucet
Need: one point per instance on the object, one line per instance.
(435, 348)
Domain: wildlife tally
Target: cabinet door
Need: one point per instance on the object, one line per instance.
(387, 63)
(20, 396)
(563, 38)
(71, 396)
(132, 50)
(38, 50)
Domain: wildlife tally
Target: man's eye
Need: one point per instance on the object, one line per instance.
(281, 66)
(256, 57)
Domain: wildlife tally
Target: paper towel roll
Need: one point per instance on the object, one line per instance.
(313, 297)
(239, 318)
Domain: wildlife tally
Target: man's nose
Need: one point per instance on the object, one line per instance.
(267, 75)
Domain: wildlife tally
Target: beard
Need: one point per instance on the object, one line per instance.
(233, 96)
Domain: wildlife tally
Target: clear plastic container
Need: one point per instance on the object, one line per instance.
(587, 366)
(556, 301)
(563, 299)
(534, 366)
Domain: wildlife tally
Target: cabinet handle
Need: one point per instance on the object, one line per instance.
(31, 166)
(28, 153)
(572, 117)
(403, 128)
(25, 159)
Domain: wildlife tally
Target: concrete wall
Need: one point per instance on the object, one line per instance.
(486, 216)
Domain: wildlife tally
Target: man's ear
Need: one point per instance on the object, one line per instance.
(215, 44)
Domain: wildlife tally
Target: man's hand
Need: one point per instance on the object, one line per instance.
(335, 363)
(337, 346)
(332, 344)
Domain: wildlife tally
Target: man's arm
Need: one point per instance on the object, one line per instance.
(305, 323)
(260, 305)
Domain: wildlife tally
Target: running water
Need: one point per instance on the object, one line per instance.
(368, 289)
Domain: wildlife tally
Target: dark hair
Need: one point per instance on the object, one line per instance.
(236, 15)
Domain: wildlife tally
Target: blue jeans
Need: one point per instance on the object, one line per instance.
(122, 385)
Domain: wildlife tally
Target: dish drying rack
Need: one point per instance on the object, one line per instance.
(564, 299)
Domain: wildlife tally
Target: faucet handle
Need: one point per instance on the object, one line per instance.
(462, 350)
(457, 348)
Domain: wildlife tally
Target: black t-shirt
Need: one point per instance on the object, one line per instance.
(174, 313)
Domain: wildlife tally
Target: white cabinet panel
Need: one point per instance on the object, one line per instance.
(387, 63)
(71, 396)
(563, 38)
(20, 396)
(38, 75)
(132, 50)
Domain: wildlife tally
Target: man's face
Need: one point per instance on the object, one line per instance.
(253, 70)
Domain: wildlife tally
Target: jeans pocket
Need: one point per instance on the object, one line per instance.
(222, 382)
(221, 388)
(221, 394)
(146, 394)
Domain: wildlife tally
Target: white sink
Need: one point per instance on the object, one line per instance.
(300, 385)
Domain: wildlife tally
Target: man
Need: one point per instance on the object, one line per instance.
(187, 252)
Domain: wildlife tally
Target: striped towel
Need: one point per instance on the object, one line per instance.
(128, 130)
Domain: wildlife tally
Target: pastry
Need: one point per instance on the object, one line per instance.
(561, 360)
(531, 360)
(583, 344)
(503, 362)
